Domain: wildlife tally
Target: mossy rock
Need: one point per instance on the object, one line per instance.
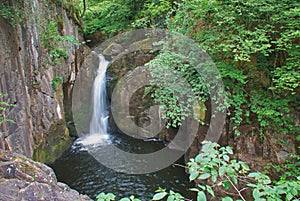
(55, 143)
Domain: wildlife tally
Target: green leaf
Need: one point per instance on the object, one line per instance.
(171, 198)
(193, 175)
(227, 199)
(194, 189)
(201, 196)
(253, 174)
(226, 158)
(289, 196)
(159, 196)
(226, 185)
(214, 178)
(201, 186)
(266, 181)
(210, 190)
(222, 170)
(100, 195)
(204, 176)
(229, 150)
(256, 194)
(234, 179)
(198, 158)
(125, 199)
(245, 166)
(206, 147)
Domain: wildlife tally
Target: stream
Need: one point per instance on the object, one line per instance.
(81, 171)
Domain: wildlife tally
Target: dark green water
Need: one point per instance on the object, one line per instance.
(82, 172)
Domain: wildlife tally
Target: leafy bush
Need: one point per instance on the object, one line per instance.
(153, 14)
(176, 86)
(112, 17)
(255, 45)
(108, 17)
(214, 167)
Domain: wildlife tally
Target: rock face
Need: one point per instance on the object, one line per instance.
(23, 179)
(36, 62)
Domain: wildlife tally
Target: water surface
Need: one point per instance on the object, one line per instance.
(82, 172)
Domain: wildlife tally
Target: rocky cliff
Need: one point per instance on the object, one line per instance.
(39, 54)
(24, 179)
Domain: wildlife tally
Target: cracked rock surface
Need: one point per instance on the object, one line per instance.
(24, 179)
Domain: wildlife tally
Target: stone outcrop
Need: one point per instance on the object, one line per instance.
(28, 68)
(24, 179)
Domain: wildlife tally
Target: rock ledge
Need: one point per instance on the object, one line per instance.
(24, 179)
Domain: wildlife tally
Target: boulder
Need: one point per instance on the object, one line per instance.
(24, 179)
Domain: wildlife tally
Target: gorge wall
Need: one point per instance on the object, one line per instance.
(39, 54)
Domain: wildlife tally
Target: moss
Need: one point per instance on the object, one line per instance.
(56, 142)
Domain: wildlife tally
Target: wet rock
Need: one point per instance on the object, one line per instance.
(112, 50)
(31, 181)
(141, 119)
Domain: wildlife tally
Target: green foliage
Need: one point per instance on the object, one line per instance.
(264, 190)
(176, 86)
(56, 81)
(287, 78)
(7, 12)
(112, 17)
(55, 43)
(3, 107)
(213, 168)
(169, 196)
(112, 197)
(12, 12)
(152, 14)
(105, 197)
(213, 163)
(108, 17)
(256, 48)
(289, 169)
(272, 111)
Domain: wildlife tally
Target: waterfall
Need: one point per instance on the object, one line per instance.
(99, 121)
(98, 133)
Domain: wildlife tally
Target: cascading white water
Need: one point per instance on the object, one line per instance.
(99, 122)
